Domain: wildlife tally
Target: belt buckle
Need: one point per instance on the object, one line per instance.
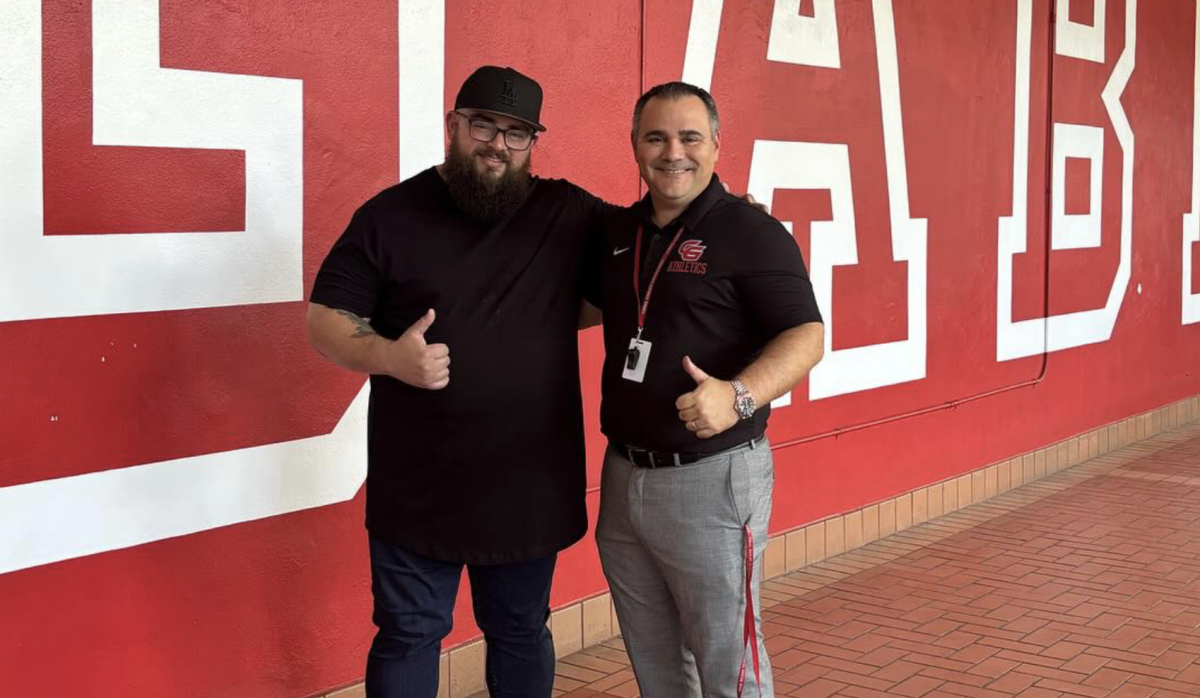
(672, 463)
(651, 458)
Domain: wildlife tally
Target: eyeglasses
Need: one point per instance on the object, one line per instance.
(485, 132)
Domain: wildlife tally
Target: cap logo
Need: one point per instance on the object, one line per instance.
(509, 95)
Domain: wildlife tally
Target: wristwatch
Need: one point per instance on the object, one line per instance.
(743, 401)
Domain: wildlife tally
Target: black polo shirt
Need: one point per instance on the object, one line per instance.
(733, 281)
(491, 468)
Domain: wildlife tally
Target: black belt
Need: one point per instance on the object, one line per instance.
(646, 458)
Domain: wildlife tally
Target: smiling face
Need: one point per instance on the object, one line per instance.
(675, 150)
(494, 159)
(487, 181)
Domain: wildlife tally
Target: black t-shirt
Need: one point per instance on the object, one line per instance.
(734, 280)
(490, 469)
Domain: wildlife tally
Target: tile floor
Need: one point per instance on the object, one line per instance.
(1082, 584)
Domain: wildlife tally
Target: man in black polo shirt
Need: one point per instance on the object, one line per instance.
(694, 284)
(482, 464)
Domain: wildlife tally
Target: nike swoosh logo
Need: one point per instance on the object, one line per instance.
(620, 250)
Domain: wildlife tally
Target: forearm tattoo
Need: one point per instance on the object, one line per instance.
(364, 328)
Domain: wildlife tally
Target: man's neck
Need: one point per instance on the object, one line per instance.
(664, 213)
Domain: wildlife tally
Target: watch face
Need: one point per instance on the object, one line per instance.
(745, 406)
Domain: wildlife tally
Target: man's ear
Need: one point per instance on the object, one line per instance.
(716, 148)
(451, 124)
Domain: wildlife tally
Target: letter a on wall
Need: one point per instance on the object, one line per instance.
(813, 41)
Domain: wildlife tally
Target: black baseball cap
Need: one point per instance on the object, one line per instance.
(502, 91)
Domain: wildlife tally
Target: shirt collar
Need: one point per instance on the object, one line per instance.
(695, 211)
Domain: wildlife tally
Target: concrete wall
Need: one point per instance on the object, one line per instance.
(180, 476)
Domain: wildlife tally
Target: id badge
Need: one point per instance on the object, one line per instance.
(636, 359)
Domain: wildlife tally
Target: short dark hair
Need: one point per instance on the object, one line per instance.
(677, 90)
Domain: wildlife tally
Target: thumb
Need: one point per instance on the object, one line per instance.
(694, 371)
(422, 324)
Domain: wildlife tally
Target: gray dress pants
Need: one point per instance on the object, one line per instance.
(673, 548)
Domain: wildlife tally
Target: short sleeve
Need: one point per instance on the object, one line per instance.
(351, 277)
(597, 215)
(593, 267)
(772, 280)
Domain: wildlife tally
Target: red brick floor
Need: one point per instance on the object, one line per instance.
(1082, 584)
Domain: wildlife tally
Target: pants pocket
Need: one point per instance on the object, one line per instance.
(751, 483)
(739, 480)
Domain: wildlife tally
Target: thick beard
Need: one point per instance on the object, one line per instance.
(488, 199)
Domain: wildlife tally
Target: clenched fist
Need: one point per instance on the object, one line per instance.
(411, 360)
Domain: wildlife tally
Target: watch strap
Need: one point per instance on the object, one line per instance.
(743, 401)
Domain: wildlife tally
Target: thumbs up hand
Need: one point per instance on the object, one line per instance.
(707, 410)
(421, 365)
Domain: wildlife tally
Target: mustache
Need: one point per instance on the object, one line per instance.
(680, 165)
(488, 151)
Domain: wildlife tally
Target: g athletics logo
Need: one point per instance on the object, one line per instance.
(690, 252)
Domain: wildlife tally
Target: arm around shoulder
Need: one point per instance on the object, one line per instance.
(589, 315)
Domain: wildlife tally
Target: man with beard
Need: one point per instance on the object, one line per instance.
(485, 470)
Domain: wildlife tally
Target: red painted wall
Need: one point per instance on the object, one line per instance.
(280, 606)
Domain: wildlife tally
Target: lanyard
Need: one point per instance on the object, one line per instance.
(749, 632)
(644, 304)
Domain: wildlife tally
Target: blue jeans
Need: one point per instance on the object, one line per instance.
(414, 605)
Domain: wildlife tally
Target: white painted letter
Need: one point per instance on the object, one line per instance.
(1032, 337)
(137, 103)
(778, 165)
(1191, 219)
